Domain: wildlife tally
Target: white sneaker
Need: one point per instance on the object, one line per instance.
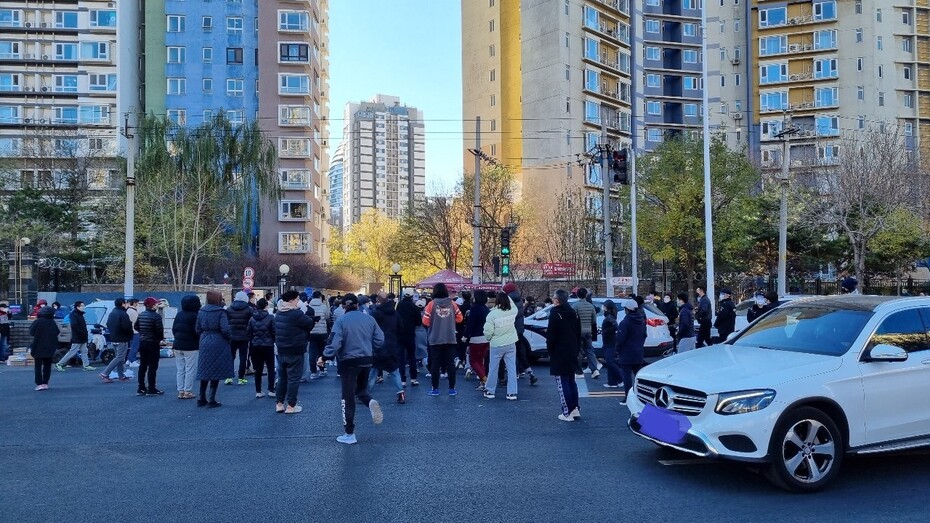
(579, 376)
(575, 414)
(600, 366)
(348, 439)
(443, 376)
(595, 375)
(259, 394)
(376, 415)
(512, 397)
(296, 409)
(586, 371)
(563, 417)
(488, 395)
(609, 386)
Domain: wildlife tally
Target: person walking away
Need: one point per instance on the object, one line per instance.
(409, 318)
(133, 313)
(44, 332)
(385, 359)
(523, 346)
(501, 333)
(262, 337)
(4, 331)
(79, 338)
(704, 315)
(355, 336)
(726, 316)
(609, 330)
(631, 339)
(151, 330)
(686, 339)
(239, 315)
(292, 329)
(587, 315)
(319, 335)
(669, 308)
(478, 346)
(439, 317)
(563, 337)
(214, 358)
(186, 344)
(464, 301)
(121, 333)
(758, 307)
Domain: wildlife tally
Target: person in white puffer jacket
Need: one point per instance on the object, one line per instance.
(501, 334)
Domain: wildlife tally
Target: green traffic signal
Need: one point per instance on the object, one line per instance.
(505, 270)
(505, 251)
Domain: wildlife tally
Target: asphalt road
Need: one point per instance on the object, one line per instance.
(87, 451)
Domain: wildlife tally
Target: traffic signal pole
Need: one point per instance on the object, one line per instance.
(635, 246)
(606, 178)
(476, 220)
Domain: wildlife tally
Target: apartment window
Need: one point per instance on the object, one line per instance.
(689, 4)
(689, 56)
(909, 101)
(653, 108)
(860, 122)
(206, 23)
(207, 55)
(907, 72)
(293, 21)
(771, 128)
(655, 2)
(9, 50)
(95, 50)
(769, 45)
(294, 242)
(177, 55)
(233, 55)
(736, 79)
(294, 147)
(735, 26)
(103, 18)
(723, 26)
(654, 135)
(690, 29)
(236, 117)
(592, 81)
(294, 115)
(825, 10)
(906, 18)
(492, 75)
(825, 39)
(881, 99)
(568, 104)
(491, 50)
(691, 110)
(773, 16)
(878, 43)
(771, 73)
(828, 126)
(825, 68)
(773, 101)
(591, 49)
(294, 211)
(66, 115)
(177, 85)
(490, 3)
(859, 64)
(858, 36)
(860, 93)
(653, 80)
(10, 114)
(653, 53)
(881, 72)
(906, 44)
(66, 52)
(176, 23)
(234, 25)
(568, 38)
(11, 18)
(177, 116)
(296, 178)
(207, 85)
(723, 80)
(493, 125)
(591, 17)
(567, 6)
(826, 97)
(908, 129)
(691, 83)
(568, 72)
(491, 26)
(858, 7)
(493, 100)
(652, 26)
(66, 83)
(878, 15)
(66, 20)
(235, 86)
(293, 84)
(592, 112)
(828, 153)
(102, 82)
(294, 52)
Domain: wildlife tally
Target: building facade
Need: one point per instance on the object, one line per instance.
(334, 186)
(384, 158)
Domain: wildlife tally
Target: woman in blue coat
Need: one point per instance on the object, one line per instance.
(214, 359)
(631, 339)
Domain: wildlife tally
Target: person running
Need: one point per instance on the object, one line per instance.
(44, 332)
(686, 338)
(609, 337)
(239, 315)
(501, 333)
(355, 335)
(478, 346)
(318, 336)
(214, 358)
(631, 337)
(587, 316)
(563, 337)
(79, 339)
(151, 330)
(440, 317)
(121, 333)
(261, 335)
(385, 359)
(186, 344)
(292, 328)
(409, 317)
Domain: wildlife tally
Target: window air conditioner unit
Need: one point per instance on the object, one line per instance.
(44, 24)
(737, 116)
(45, 57)
(794, 47)
(28, 25)
(734, 61)
(45, 89)
(27, 120)
(43, 121)
(29, 89)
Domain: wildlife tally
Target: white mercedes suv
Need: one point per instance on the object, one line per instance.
(814, 380)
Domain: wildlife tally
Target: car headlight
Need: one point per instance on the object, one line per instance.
(744, 401)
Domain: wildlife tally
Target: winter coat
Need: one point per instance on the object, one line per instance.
(726, 319)
(261, 329)
(44, 333)
(563, 339)
(670, 310)
(474, 324)
(78, 327)
(214, 361)
(704, 312)
(440, 317)
(240, 312)
(120, 326)
(409, 316)
(518, 320)
(4, 323)
(422, 342)
(150, 326)
(686, 321)
(587, 316)
(292, 328)
(321, 316)
(631, 338)
(387, 356)
(355, 335)
(499, 326)
(184, 327)
(609, 331)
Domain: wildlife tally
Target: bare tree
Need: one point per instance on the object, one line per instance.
(434, 232)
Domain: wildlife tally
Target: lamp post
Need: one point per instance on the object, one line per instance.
(396, 279)
(18, 255)
(283, 270)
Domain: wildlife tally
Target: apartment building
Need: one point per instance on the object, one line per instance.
(730, 60)
(61, 96)
(334, 182)
(384, 158)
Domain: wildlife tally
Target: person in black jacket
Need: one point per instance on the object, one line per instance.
(609, 333)
(478, 346)
(703, 315)
(631, 339)
(151, 331)
(261, 334)
(79, 338)
(386, 358)
(44, 333)
(563, 337)
(292, 329)
(669, 308)
(686, 339)
(186, 344)
(409, 316)
(4, 331)
(121, 333)
(726, 316)
(240, 312)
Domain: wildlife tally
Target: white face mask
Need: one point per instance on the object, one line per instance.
(723, 297)
(760, 301)
(666, 299)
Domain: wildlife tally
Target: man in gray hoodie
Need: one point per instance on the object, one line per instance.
(317, 337)
(355, 335)
(587, 316)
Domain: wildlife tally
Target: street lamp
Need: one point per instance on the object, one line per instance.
(283, 271)
(396, 279)
(18, 255)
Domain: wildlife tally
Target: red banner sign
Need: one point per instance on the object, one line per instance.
(558, 270)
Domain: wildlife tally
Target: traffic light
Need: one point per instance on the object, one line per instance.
(505, 242)
(496, 262)
(505, 267)
(619, 166)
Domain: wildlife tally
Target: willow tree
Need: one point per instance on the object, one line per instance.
(203, 186)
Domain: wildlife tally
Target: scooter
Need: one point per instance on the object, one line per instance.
(99, 347)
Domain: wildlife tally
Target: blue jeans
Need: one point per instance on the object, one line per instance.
(614, 375)
(394, 376)
(133, 348)
(587, 349)
(4, 346)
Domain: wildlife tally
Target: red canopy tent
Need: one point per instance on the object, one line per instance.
(455, 282)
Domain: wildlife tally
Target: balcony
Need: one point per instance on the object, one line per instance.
(620, 6)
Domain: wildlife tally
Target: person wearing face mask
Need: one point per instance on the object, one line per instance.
(686, 335)
(726, 316)
(670, 309)
(758, 308)
(631, 339)
(79, 338)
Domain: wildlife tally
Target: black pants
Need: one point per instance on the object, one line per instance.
(149, 356)
(316, 346)
(354, 385)
(523, 355)
(203, 389)
(292, 369)
(408, 344)
(43, 370)
(442, 357)
(261, 357)
(703, 337)
(242, 347)
(629, 374)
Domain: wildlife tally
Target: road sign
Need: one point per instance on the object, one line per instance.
(248, 283)
(622, 281)
(248, 272)
(558, 269)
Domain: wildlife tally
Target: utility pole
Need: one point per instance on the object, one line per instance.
(708, 204)
(635, 246)
(785, 133)
(129, 272)
(476, 219)
(606, 179)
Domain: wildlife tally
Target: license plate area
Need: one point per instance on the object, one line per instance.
(663, 424)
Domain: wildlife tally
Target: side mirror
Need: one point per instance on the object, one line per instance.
(886, 353)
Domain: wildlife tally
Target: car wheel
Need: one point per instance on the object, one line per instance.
(806, 451)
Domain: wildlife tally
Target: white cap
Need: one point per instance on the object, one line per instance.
(629, 304)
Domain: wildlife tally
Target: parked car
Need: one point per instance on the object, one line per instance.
(659, 342)
(798, 389)
(742, 310)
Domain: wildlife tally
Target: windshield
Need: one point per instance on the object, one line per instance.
(93, 315)
(814, 330)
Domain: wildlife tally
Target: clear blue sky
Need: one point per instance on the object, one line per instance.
(406, 48)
